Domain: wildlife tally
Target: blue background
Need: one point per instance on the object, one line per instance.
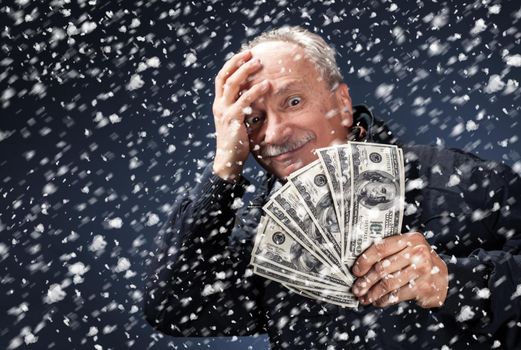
(79, 149)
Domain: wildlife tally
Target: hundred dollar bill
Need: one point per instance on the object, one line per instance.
(289, 200)
(330, 163)
(281, 217)
(279, 274)
(402, 189)
(281, 251)
(291, 279)
(377, 183)
(344, 159)
(299, 279)
(311, 184)
(344, 299)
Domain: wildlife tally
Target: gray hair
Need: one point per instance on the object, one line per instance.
(316, 49)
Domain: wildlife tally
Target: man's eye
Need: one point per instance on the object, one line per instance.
(294, 101)
(253, 120)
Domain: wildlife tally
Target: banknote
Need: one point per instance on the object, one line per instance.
(311, 184)
(277, 247)
(290, 202)
(344, 160)
(279, 274)
(344, 299)
(330, 163)
(326, 215)
(281, 217)
(377, 195)
(290, 279)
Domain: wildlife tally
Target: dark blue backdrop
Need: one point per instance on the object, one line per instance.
(106, 116)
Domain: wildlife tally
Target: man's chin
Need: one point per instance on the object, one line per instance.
(282, 171)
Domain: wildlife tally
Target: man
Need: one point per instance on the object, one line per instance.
(449, 281)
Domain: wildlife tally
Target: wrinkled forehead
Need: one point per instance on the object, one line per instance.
(282, 60)
(278, 52)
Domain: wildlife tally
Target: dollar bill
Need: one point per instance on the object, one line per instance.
(281, 217)
(277, 248)
(311, 184)
(377, 183)
(343, 299)
(330, 163)
(290, 279)
(326, 215)
(402, 188)
(279, 274)
(344, 160)
(290, 202)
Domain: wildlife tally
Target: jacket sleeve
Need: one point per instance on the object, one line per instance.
(485, 287)
(199, 283)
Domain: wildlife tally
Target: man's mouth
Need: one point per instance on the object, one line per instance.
(288, 156)
(283, 153)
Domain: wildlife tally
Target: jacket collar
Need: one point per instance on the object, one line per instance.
(369, 129)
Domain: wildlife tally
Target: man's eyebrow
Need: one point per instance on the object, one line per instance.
(294, 85)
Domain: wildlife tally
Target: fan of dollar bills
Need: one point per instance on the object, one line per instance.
(326, 215)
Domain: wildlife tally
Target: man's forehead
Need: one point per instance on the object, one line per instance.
(296, 84)
(278, 49)
(281, 89)
(281, 58)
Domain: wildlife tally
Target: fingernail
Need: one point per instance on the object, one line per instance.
(356, 270)
(356, 291)
(264, 85)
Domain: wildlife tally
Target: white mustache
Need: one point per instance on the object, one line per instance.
(275, 150)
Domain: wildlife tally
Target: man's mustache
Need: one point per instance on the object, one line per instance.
(269, 150)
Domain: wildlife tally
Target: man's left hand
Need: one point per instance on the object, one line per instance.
(399, 268)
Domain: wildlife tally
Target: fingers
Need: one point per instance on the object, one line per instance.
(249, 96)
(381, 270)
(228, 68)
(233, 74)
(234, 82)
(393, 282)
(236, 112)
(378, 251)
(397, 296)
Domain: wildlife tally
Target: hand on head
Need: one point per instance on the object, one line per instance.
(229, 110)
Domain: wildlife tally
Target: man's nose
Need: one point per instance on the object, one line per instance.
(277, 130)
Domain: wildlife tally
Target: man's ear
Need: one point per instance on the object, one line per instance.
(344, 99)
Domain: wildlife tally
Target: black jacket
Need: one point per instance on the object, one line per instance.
(201, 283)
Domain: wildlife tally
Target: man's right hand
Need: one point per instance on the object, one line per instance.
(229, 111)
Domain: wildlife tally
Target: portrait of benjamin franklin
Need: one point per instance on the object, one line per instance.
(376, 189)
(327, 214)
(304, 260)
(311, 229)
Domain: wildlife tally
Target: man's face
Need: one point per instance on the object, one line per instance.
(298, 114)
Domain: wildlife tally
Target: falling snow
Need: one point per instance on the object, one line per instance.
(107, 124)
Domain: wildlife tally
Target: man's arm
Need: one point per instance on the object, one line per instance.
(230, 106)
(485, 287)
(199, 284)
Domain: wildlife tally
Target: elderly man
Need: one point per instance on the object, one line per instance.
(451, 280)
